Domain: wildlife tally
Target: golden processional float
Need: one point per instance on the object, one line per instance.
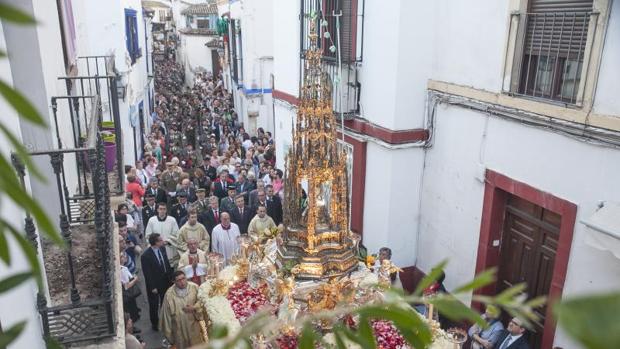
(316, 237)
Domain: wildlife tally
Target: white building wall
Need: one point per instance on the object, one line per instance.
(195, 55)
(19, 304)
(252, 94)
(453, 191)
(101, 31)
(606, 100)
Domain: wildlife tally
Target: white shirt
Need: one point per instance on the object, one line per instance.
(125, 275)
(225, 241)
(168, 229)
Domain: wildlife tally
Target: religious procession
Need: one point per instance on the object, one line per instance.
(333, 174)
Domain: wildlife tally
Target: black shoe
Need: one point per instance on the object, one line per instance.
(136, 330)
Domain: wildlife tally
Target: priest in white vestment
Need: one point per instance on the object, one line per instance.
(167, 227)
(224, 238)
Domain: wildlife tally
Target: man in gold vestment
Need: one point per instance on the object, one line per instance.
(260, 222)
(180, 314)
(193, 230)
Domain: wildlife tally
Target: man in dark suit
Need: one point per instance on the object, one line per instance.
(149, 209)
(227, 204)
(160, 194)
(211, 217)
(274, 205)
(190, 193)
(220, 186)
(241, 214)
(179, 211)
(157, 275)
(243, 187)
(209, 170)
(513, 337)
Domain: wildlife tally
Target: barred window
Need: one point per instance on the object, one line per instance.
(551, 64)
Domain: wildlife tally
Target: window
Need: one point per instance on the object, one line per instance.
(350, 14)
(554, 34)
(236, 51)
(131, 35)
(202, 23)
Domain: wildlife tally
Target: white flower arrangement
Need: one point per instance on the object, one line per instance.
(218, 308)
(330, 342)
(228, 274)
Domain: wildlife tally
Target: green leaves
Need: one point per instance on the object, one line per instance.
(591, 320)
(21, 104)
(13, 281)
(430, 278)
(8, 336)
(308, 337)
(15, 15)
(26, 247)
(485, 278)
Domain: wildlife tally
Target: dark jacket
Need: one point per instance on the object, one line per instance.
(520, 343)
(147, 213)
(179, 212)
(208, 220)
(154, 275)
(160, 195)
(274, 209)
(242, 221)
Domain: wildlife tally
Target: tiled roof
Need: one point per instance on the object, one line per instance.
(198, 31)
(151, 4)
(206, 8)
(215, 43)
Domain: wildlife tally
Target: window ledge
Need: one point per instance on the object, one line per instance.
(571, 113)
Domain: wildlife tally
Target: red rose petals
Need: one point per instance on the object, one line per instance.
(387, 335)
(245, 300)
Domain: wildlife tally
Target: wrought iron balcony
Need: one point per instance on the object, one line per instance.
(73, 310)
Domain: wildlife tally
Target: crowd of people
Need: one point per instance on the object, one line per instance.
(203, 181)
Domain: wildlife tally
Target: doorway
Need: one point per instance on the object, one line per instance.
(528, 249)
(527, 234)
(215, 62)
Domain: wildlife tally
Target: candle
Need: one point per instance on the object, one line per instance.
(430, 312)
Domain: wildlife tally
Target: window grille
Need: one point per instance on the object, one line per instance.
(553, 50)
(351, 14)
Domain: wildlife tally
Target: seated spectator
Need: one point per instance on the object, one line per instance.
(487, 338)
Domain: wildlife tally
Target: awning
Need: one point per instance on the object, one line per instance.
(603, 228)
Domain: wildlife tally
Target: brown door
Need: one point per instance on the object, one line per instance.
(215, 62)
(529, 244)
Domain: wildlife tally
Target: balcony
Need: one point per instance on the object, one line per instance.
(79, 302)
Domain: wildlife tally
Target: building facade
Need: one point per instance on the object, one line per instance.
(198, 31)
(472, 139)
(249, 49)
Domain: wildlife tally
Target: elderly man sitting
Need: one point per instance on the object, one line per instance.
(194, 262)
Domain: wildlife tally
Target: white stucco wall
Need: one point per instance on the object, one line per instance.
(18, 304)
(286, 46)
(606, 100)
(452, 194)
(391, 206)
(101, 31)
(195, 54)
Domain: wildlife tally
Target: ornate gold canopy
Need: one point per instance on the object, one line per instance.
(317, 224)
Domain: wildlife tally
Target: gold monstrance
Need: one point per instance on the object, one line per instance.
(317, 232)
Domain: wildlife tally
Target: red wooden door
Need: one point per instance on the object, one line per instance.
(528, 250)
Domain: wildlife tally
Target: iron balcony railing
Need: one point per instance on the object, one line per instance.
(346, 89)
(101, 80)
(77, 314)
